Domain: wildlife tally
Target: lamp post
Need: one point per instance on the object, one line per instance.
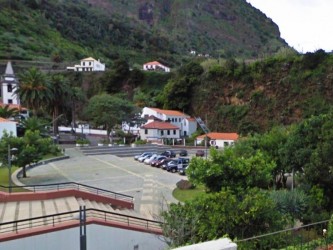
(10, 151)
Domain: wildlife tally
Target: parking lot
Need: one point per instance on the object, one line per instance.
(151, 187)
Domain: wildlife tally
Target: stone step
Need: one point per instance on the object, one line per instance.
(72, 203)
(36, 210)
(13, 211)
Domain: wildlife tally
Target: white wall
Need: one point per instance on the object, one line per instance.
(154, 134)
(221, 244)
(9, 126)
(98, 237)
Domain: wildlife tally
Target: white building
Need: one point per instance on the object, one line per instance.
(88, 64)
(158, 131)
(9, 84)
(186, 124)
(219, 140)
(8, 126)
(155, 66)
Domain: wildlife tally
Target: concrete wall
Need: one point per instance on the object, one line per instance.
(98, 237)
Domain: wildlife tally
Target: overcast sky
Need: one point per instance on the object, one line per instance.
(306, 25)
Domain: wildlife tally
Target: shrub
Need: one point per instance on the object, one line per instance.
(82, 141)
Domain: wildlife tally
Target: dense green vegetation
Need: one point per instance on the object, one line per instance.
(246, 186)
(59, 31)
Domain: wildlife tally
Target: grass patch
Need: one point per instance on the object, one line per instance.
(4, 179)
(188, 194)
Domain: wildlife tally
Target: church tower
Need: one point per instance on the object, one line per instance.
(9, 84)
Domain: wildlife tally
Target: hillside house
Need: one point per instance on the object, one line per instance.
(88, 64)
(155, 66)
(185, 124)
(220, 140)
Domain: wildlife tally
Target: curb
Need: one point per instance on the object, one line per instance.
(18, 173)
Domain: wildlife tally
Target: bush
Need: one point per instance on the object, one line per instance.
(82, 141)
(140, 142)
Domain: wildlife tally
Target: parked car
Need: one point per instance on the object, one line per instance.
(142, 158)
(163, 163)
(157, 160)
(172, 166)
(182, 165)
(169, 153)
(138, 156)
(148, 160)
(183, 152)
(200, 153)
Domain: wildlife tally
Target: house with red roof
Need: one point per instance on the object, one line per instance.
(185, 123)
(155, 66)
(156, 131)
(220, 140)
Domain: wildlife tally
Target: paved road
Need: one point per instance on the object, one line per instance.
(150, 187)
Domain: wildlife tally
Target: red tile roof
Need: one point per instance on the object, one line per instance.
(153, 63)
(17, 106)
(220, 136)
(5, 120)
(169, 112)
(159, 125)
(191, 119)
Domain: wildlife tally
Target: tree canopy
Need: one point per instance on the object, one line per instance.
(108, 110)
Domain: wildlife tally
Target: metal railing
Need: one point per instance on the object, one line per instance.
(307, 237)
(71, 185)
(54, 219)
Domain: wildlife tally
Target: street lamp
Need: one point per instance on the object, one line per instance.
(11, 151)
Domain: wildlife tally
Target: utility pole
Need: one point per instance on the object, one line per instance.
(83, 229)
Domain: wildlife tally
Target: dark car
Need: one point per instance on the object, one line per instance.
(169, 153)
(156, 161)
(163, 163)
(183, 152)
(172, 166)
(200, 153)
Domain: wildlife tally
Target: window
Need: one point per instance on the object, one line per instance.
(162, 132)
(168, 132)
(9, 88)
(146, 131)
(10, 101)
(172, 119)
(226, 144)
(174, 131)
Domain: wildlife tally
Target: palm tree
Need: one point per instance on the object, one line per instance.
(60, 93)
(35, 124)
(33, 90)
(7, 112)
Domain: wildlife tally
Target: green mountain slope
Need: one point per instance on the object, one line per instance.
(167, 30)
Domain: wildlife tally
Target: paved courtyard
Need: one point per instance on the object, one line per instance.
(151, 187)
